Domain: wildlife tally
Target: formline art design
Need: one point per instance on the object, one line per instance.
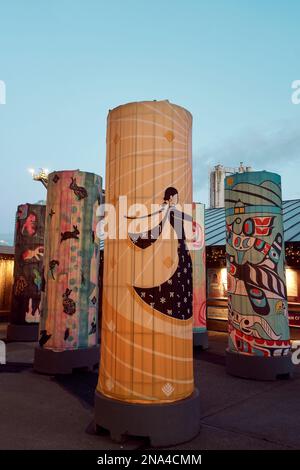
(146, 370)
(70, 282)
(257, 297)
(28, 267)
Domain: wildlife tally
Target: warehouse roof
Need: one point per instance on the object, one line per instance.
(7, 250)
(215, 223)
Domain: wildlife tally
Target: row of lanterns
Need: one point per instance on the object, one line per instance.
(154, 287)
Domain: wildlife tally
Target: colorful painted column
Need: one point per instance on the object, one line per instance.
(68, 329)
(199, 278)
(146, 383)
(259, 338)
(29, 252)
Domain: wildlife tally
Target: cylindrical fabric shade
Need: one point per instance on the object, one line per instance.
(71, 262)
(257, 298)
(28, 266)
(199, 277)
(146, 343)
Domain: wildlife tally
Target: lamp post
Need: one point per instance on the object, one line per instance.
(41, 176)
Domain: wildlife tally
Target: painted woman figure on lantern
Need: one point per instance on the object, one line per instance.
(174, 297)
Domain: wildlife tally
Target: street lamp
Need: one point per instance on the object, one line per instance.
(41, 175)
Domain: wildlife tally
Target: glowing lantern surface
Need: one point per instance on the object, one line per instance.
(259, 339)
(199, 277)
(28, 266)
(71, 263)
(146, 342)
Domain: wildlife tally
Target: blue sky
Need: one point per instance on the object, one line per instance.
(67, 62)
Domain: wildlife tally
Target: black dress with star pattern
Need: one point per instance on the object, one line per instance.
(173, 297)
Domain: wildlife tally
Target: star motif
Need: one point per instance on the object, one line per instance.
(169, 312)
(171, 294)
(162, 300)
(169, 281)
(185, 300)
(143, 294)
(185, 270)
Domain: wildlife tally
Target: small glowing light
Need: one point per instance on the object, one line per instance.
(224, 279)
(41, 175)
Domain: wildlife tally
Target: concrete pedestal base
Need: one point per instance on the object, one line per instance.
(257, 367)
(29, 332)
(164, 424)
(200, 339)
(47, 361)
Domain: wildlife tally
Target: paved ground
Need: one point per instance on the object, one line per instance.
(40, 412)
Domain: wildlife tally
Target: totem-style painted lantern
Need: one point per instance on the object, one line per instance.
(28, 266)
(68, 328)
(199, 278)
(146, 342)
(259, 338)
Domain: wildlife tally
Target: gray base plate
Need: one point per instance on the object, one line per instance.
(257, 367)
(200, 339)
(28, 332)
(47, 361)
(164, 424)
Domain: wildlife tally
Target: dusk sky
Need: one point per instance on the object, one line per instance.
(65, 63)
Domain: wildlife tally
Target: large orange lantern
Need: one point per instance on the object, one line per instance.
(68, 328)
(146, 383)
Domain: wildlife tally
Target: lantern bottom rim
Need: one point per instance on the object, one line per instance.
(164, 424)
(200, 339)
(258, 367)
(28, 333)
(50, 362)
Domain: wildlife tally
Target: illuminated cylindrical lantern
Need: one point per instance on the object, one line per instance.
(259, 338)
(68, 329)
(29, 252)
(146, 342)
(199, 278)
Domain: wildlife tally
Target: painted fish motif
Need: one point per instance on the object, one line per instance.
(36, 254)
